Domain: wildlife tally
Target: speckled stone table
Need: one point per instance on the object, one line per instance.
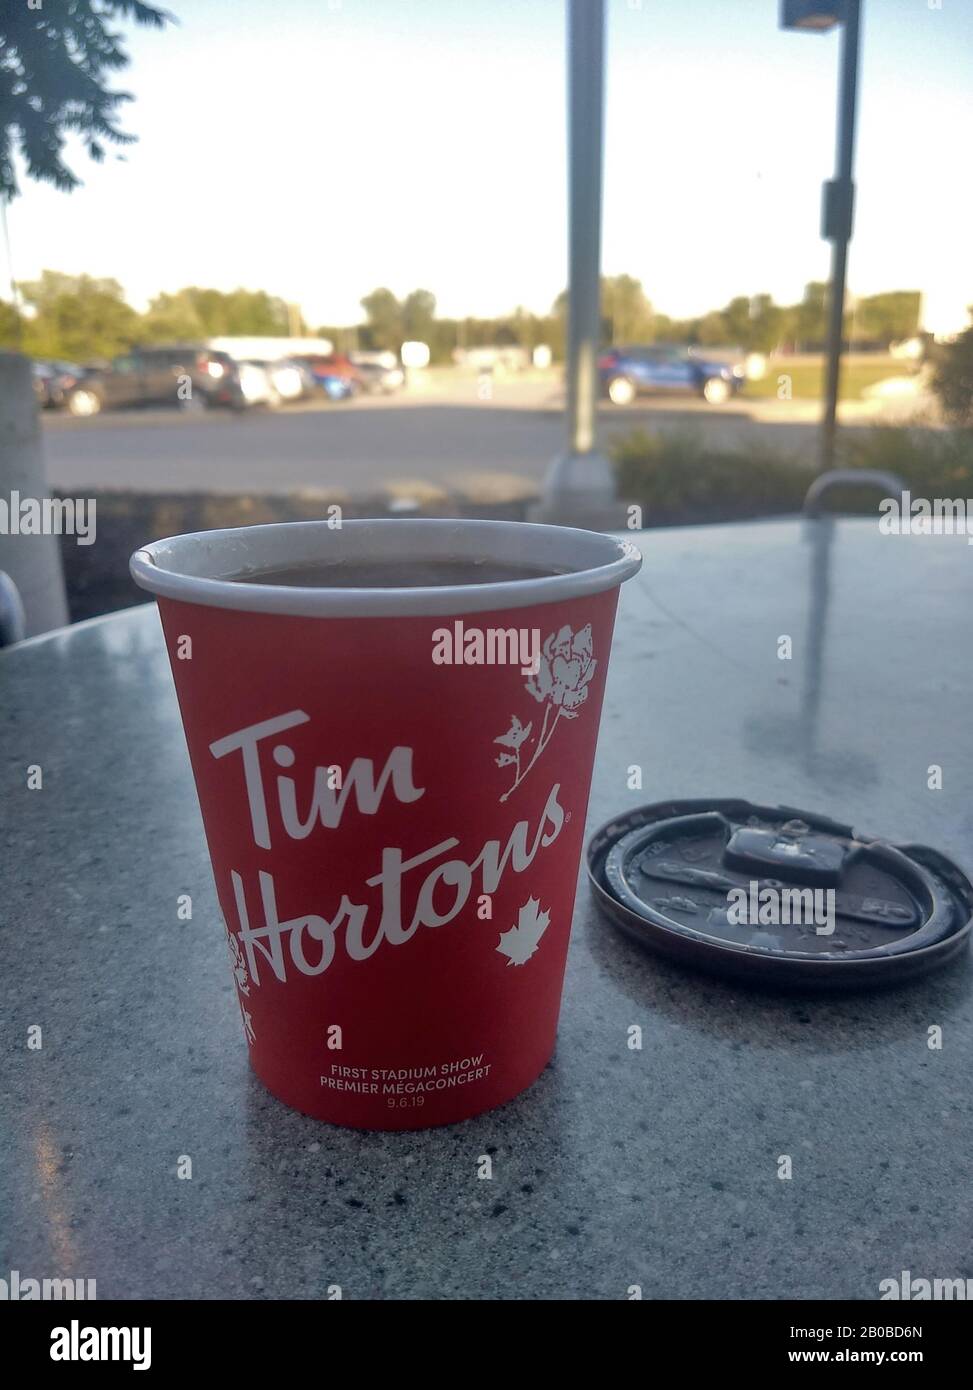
(656, 1167)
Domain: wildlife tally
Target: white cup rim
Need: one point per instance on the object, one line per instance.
(193, 568)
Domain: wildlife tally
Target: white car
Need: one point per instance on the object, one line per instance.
(258, 385)
(287, 379)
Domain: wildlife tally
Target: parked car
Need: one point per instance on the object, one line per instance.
(338, 377)
(53, 381)
(376, 379)
(291, 380)
(627, 372)
(190, 376)
(257, 383)
(309, 384)
(273, 383)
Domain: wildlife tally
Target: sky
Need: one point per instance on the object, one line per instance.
(319, 148)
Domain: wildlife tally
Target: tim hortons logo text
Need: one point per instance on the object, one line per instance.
(440, 881)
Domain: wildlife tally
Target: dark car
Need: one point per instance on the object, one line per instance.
(627, 372)
(190, 376)
(53, 381)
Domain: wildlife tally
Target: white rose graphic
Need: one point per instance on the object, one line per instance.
(242, 977)
(561, 686)
(566, 667)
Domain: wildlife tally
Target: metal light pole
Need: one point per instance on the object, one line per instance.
(838, 213)
(839, 192)
(580, 482)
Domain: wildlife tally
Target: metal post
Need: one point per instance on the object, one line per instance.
(32, 562)
(16, 301)
(582, 478)
(839, 199)
(586, 95)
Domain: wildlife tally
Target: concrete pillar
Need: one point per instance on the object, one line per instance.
(33, 562)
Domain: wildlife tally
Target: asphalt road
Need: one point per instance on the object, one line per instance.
(483, 449)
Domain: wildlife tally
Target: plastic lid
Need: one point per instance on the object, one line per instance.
(773, 893)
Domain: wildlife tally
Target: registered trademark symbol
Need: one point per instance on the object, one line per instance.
(567, 817)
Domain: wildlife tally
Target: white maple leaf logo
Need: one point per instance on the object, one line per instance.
(520, 942)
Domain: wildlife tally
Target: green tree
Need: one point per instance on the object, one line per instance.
(787, 334)
(889, 318)
(77, 317)
(522, 323)
(712, 330)
(753, 323)
(194, 312)
(254, 312)
(55, 60)
(11, 326)
(550, 330)
(418, 314)
(628, 311)
(767, 324)
(172, 318)
(736, 317)
(384, 314)
(626, 314)
(811, 320)
(342, 339)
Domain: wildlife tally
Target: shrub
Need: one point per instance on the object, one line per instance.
(953, 379)
(932, 463)
(675, 478)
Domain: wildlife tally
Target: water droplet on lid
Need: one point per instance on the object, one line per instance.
(676, 904)
(880, 908)
(795, 827)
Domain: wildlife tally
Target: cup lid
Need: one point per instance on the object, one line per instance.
(773, 893)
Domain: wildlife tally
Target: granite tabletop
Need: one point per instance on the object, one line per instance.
(656, 1170)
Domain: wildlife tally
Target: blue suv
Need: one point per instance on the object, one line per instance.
(628, 372)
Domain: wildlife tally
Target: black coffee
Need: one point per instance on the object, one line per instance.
(394, 574)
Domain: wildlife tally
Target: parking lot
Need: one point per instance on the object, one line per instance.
(460, 435)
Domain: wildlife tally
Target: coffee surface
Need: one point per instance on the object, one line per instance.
(395, 574)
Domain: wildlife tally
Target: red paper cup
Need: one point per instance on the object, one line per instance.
(395, 825)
